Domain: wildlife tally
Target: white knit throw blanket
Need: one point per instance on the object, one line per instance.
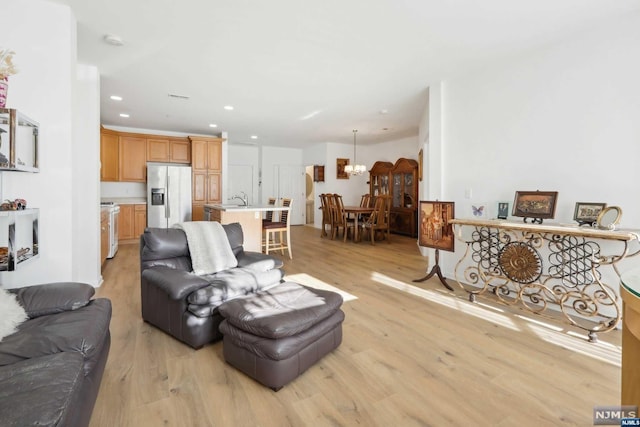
(209, 247)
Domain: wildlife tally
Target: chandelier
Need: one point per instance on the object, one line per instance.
(355, 169)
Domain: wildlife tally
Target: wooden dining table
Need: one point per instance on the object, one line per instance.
(357, 211)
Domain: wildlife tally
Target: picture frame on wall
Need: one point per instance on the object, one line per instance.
(587, 212)
(536, 205)
(435, 230)
(340, 172)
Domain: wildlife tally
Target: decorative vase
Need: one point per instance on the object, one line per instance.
(4, 87)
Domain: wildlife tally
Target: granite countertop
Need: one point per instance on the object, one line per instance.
(126, 200)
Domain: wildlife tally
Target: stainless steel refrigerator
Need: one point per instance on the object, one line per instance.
(168, 194)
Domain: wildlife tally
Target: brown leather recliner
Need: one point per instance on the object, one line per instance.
(185, 305)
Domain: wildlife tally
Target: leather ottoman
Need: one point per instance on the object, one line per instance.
(275, 335)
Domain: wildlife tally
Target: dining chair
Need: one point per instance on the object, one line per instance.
(379, 219)
(365, 202)
(337, 216)
(277, 231)
(343, 219)
(326, 214)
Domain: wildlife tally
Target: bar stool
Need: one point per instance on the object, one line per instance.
(280, 228)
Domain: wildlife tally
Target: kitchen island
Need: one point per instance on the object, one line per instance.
(249, 217)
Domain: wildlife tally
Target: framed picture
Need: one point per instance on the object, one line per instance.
(340, 164)
(587, 212)
(535, 204)
(479, 210)
(503, 210)
(435, 231)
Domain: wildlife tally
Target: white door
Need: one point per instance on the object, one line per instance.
(241, 180)
(290, 183)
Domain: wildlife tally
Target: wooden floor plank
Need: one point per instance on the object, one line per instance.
(416, 356)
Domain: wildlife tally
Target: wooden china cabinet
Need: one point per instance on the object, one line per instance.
(400, 181)
(404, 197)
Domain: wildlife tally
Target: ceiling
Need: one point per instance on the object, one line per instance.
(302, 72)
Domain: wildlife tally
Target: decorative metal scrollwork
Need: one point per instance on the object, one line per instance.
(572, 260)
(506, 260)
(520, 262)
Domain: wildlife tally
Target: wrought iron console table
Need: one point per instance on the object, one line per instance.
(538, 265)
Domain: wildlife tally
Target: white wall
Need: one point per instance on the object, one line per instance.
(43, 36)
(561, 118)
(86, 177)
(246, 155)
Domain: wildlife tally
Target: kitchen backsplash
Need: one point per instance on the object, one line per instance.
(123, 189)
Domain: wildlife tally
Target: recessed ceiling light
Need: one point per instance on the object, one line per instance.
(125, 115)
(116, 97)
(213, 125)
(113, 40)
(384, 111)
(228, 107)
(254, 136)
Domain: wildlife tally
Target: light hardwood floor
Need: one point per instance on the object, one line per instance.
(422, 358)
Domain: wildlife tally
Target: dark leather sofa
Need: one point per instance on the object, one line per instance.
(51, 368)
(185, 305)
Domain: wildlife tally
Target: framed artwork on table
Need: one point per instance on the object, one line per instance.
(535, 205)
(479, 210)
(587, 212)
(435, 230)
(340, 164)
(503, 210)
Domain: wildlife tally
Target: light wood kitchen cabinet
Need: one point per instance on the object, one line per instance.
(124, 156)
(139, 220)
(206, 164)
(197, 212)
(179, 151)
(157, 150)
(109, 156)
(133, 159)
(170, 150)
(132, 221)
(126, 222)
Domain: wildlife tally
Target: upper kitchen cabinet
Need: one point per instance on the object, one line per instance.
(157, 150)
(171, 150)
(133, 159)
(124, 156)
(179, 150)
(109, 158)
(18, 141)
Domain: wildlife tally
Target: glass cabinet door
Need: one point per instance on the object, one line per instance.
(408, 190)
(384, 185)
(397, 190)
